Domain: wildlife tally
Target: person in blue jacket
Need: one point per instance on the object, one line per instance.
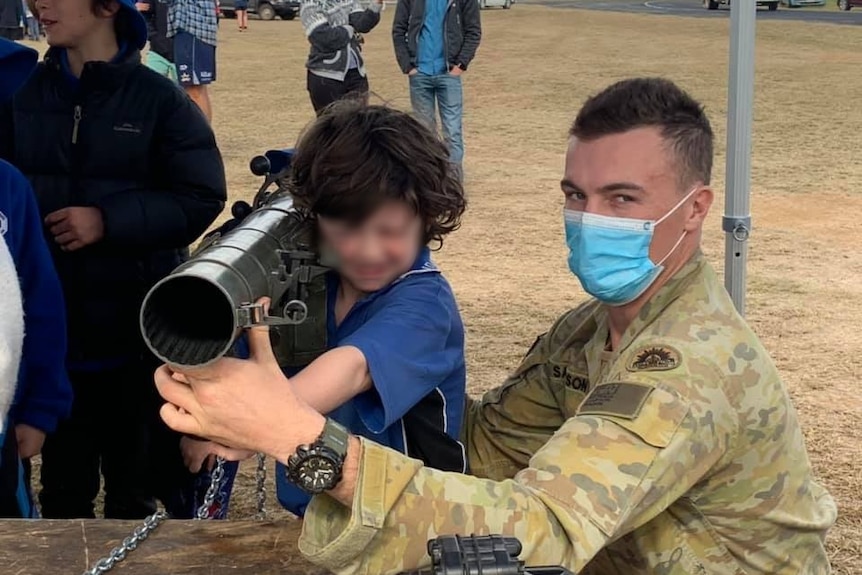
(381, 188)
(126, 174)
(43, 395)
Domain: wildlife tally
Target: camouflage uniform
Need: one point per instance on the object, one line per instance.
(678, 453)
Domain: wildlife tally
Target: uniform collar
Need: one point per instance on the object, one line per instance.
(655, 306)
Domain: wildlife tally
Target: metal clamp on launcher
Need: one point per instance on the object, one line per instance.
(193, 316)
(480, 555)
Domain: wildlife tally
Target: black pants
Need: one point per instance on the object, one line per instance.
(325, 91)
(115, 429)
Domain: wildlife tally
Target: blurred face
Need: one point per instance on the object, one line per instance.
(377, 251)
(69, 23)
(633, 175)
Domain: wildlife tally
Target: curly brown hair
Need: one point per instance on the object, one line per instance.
(355, 157)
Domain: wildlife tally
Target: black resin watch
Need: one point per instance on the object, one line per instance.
(317, 467)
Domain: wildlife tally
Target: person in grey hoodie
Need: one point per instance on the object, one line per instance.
(335, 65)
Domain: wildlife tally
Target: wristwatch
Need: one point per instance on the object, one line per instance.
(317, 467)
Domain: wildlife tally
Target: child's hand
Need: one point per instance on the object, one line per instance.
(76, 227)
(30, 440)
(196, 453)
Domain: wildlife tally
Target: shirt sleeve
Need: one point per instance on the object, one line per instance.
(598, 478)
(406, 347)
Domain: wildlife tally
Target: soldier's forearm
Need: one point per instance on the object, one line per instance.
(397, 505)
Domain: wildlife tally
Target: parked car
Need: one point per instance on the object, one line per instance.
(265, 9)
(848, 4)
(801, 3)
(505, 4)
(714, 4)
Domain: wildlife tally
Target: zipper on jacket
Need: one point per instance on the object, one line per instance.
(75, 125)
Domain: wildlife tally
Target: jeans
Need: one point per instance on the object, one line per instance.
(33, 31)
(445, 89)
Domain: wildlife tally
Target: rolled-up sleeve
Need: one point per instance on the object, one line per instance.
(597, 478)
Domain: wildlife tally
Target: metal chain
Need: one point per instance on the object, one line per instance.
(143, 531)
(212, 490)
(128, 545)
(261, 487)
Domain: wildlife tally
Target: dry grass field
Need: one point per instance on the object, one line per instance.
(507, 263)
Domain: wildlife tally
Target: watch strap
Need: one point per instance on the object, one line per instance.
(334, 437)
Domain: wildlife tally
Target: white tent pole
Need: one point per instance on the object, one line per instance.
(740, 102)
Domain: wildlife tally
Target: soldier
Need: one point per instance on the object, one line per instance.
(647, 432)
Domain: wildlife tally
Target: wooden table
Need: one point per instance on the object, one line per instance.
(69, 547)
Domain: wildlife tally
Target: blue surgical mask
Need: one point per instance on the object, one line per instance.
(610, 256)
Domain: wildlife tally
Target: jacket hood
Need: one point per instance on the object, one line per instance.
(135, 30)
(16, 64)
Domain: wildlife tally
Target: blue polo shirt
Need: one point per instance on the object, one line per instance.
(431, 52)
(412, 337)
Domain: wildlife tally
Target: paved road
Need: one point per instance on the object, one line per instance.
(695, 8)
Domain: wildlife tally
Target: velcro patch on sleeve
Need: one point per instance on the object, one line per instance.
(620, 399)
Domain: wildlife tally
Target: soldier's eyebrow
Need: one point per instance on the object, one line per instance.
(568, 185)
(621, 187)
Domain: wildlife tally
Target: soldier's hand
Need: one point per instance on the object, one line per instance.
(75, 228)
(241, 404)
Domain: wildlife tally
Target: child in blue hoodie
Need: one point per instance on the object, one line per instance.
(43, 395)
(127, 174)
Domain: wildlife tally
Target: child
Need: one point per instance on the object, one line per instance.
(126, 174)
(31, 25)
(43, 395)
(335, 65)
(16, 63)
(160, 55)
(241, 9)
(381, 188)
(11, 332)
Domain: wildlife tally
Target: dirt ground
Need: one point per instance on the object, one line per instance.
(507, 263)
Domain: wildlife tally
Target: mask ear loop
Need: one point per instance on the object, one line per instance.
(676, 207)
(664, 217)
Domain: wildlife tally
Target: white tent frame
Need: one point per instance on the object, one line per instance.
(740, 103)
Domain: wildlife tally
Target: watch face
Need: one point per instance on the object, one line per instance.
(318, 473)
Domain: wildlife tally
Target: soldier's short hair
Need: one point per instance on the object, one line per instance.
(355, 157)
(658, 102)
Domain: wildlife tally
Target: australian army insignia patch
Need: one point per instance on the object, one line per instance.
(655, 358)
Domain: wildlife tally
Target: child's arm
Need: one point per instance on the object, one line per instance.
(364, 20)
(389, 364)
(192, 190)
(333, 379)
(11, 331)
(44, 393)
(320, 33)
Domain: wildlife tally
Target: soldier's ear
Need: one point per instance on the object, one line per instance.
(701, 202)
